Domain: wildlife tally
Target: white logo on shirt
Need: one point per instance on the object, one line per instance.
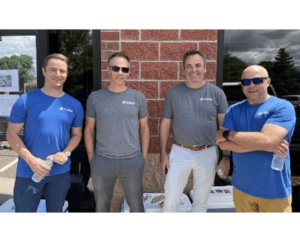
(206, 99)
(263, 113)
(66, 109)
(128, 102)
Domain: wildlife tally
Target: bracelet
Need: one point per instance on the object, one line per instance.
(226, 156)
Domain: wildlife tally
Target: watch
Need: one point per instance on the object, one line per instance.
(68, 153)
(226, 156)
(226, 134)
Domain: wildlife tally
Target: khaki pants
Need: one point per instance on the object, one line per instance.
(247, 203)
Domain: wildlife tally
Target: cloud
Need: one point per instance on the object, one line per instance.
(254, 46)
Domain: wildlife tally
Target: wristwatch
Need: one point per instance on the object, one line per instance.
(226, 134)
(226, 156)
(68, 153)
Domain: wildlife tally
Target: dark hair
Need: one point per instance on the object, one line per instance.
(56, 56)
(193, 52)
(118, 54)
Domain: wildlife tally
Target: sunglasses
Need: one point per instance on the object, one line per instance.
(255, 81)
(117, 69)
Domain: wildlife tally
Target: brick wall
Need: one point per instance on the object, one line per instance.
(156, 65)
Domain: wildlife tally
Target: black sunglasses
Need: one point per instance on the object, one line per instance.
(117, 69)
(255, 81)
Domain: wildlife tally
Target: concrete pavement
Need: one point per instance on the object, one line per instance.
(8, 161)
(6, 189)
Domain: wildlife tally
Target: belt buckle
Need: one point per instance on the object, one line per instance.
(197, 147)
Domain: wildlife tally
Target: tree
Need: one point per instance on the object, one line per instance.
(285, 76)
(233, 67)
(77, 46)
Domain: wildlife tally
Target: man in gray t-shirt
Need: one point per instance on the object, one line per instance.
(195, 109)
(117, 137)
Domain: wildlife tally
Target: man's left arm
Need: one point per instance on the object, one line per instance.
(224, 163)
(144, 136)
(75, 139)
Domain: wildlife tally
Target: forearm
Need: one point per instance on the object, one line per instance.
(73, 142)
(251, 141)
(163, 137)
(89, 141)
(145, 140)
(227, 146)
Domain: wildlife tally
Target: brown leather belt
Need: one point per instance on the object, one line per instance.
(193, 147)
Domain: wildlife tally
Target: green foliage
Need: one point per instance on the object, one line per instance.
(23, 63)
(77, 46)
(284, 76)
(233, 67)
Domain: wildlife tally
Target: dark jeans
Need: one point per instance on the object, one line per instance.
(54, 189)
(105, 171)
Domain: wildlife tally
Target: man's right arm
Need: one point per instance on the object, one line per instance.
(89, 136)
(164, 132)
(13, 137)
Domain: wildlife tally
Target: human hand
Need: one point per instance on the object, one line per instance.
(164, 164)
(283, 148)
(59, 158)
(40, 168)
(223, 168)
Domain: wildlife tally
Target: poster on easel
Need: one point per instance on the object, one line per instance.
(9, 80)
(6, 104)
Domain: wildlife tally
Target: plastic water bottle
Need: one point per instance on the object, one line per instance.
(35, 177)
(277, 162)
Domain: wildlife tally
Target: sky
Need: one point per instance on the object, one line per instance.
(17, 45)
(254, 46)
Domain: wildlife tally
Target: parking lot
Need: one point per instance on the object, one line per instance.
(8, 163)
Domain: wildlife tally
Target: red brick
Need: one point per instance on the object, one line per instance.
(104, 75)
(210, 50)
(154, 145)
(154, 108)
(105, 54)
(107, 45)
(165, 86)
(175, 51)
(159, 70)
(141, 50)
(130, 34)
(134, 70)
(199, 35)
(150, 89)
(103, 65)
(160, 104)
(211, 71)
(153, 126)
(110, 35)
(160, 35)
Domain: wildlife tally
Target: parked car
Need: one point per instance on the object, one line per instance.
(294, 99)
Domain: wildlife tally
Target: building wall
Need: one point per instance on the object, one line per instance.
(156, 65)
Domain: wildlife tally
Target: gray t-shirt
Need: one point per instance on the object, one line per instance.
(194, 113)
(117, 121)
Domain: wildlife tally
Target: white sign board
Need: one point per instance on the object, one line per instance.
(9, 80)
(6, 103)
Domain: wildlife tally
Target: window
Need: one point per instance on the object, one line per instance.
(277, 50)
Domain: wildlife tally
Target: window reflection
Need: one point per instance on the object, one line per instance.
(17, 64)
